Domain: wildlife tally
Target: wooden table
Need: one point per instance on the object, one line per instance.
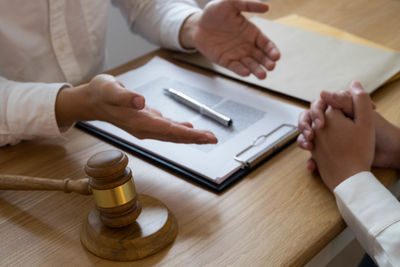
(279, 215)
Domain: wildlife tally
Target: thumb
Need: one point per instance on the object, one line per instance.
(250, 6)
(129, 99)
(115, 93)
(361, 105)
(340, 100)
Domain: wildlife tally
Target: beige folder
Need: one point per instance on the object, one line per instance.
(295, 20)
(316, 57)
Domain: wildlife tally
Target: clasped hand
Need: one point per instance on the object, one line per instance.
(346, 136)
(341, 146)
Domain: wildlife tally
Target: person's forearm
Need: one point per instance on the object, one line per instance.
(187, 31)
(396, 156)
(72, 105)
(28, 110)
(387, 151)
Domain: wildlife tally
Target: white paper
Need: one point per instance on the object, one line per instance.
(253, 115)
(312, 62)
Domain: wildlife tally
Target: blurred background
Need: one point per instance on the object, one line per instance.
(122, 45)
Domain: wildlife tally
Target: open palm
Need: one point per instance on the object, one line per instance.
(229, 39)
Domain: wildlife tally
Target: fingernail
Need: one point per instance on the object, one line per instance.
(211, 138)
(271, 65)
(304, 145)
(324, 94)
(261, 74)
(307, 133)
(274, 53)
(207, 139)
(310, 167)
(318, 123)
(138, 102)
(356, 85)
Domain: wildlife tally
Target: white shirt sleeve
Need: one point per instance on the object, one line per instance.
(373, 214)
(159, 21)
(27, 111)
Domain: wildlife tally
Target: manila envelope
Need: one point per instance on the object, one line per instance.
(316, 57)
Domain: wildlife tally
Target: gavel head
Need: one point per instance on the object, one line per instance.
(113, 188)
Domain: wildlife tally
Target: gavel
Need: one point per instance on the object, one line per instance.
(124, 225)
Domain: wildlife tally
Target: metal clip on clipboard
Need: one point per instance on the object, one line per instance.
(254, 159)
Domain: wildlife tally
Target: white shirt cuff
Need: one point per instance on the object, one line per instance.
(170, 33)
(367, 207)
(31, 111)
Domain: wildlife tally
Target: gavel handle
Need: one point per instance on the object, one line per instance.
(17, 182)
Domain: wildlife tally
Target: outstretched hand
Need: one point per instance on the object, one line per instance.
(105, 98)
(229, 39)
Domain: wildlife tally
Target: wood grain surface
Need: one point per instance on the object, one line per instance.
(279, 215)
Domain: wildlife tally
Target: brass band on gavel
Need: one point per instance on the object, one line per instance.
(113, 188)
(114, 197)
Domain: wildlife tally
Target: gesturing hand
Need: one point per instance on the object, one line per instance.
(229, 39)
(105, 98)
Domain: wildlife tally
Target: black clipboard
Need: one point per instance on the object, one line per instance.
(248, 165)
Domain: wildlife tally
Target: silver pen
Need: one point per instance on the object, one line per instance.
(202, 108)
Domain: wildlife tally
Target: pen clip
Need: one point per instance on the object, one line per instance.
(253, 160)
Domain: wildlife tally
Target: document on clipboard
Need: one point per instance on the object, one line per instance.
(260, 125)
